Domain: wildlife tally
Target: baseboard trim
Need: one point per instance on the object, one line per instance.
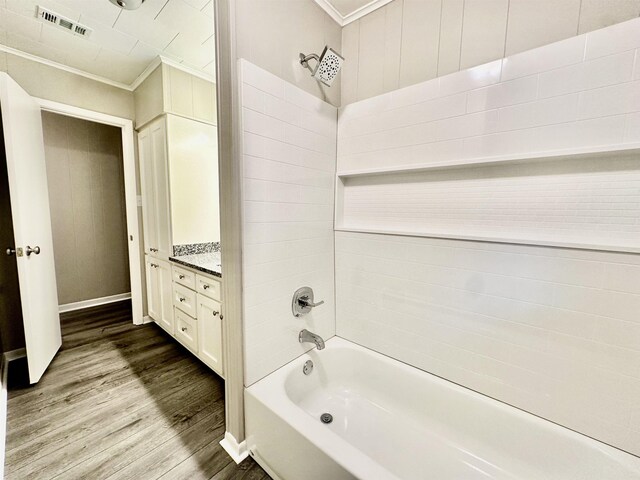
(237, 451)
(70, 307)
(12, 355)
(146, 319)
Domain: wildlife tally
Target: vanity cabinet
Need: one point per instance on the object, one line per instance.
(159, 292)
(156, 207)
(198, 315)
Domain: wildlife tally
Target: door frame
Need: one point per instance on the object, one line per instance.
(130, 189)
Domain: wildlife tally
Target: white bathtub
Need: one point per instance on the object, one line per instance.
(392, 421)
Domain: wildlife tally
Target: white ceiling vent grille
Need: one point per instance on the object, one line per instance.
(59, 21)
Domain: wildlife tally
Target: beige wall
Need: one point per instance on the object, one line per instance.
(42, 81)
(272, 33)
(410, 41)
(86, 192)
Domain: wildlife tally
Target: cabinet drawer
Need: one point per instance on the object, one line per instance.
(208, 286)
(186, 330)
(184, 299)
(184, 277)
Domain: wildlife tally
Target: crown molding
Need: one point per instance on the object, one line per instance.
(187, 69)
(145, 73)
(66, 68)
(341, 20)
(130, 88)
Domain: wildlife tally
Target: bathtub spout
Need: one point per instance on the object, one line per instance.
(306, 336)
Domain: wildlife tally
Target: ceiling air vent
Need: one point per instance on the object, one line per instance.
(59, 21)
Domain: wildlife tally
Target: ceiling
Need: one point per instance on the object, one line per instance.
(123, 42)
(346, 11)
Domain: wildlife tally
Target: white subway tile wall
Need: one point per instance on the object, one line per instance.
(553, 331)
(289, 163)
(587, 202)
(565, 95)
(549, 100)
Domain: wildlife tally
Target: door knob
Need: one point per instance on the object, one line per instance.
(11, 251)
(30, 250)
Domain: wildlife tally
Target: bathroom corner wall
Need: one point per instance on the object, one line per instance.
(289, 161)
(271, 34)
(410, 41)
(554, 331)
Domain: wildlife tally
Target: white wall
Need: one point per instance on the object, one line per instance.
(272, 34)
(410, 41)
(289, 140)
(193, 167)
(551, 330)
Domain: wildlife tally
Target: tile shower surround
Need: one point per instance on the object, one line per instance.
(289, 161)
(553, 331)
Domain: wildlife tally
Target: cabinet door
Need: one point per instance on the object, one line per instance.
(210, 333)
(162, 202)
(154, 300)
(154, 169)
(147, 178)
(166, 319)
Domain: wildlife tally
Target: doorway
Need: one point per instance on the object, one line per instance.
(85, 175)
(105, 129)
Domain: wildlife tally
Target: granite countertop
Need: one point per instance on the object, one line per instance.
(204, 262)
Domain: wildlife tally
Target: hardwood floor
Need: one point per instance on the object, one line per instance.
(120, 402)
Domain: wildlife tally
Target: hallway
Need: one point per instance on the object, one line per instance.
(120, 401)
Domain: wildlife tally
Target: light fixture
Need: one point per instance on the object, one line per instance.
(127, 4)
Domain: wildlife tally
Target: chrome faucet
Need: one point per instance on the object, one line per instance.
(306, 336)
(302, 301)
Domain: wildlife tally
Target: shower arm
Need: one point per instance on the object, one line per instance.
(304, 60)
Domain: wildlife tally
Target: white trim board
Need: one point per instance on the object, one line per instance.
(237, 451)
(94, 302)
(341, 20)
(130, 88)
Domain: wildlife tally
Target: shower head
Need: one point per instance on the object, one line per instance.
(327, 67)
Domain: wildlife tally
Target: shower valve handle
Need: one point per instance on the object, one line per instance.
(304, 301)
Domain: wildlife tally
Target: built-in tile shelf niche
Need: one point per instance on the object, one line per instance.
(539, 148)
(581, 198)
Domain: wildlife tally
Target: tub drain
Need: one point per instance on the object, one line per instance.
(326, 418)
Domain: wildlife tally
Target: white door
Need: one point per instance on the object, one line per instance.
(22, 129)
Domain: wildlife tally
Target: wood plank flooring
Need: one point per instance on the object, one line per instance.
(120, 402)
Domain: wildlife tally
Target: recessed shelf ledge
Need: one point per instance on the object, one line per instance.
(626, 149)
(496, 239)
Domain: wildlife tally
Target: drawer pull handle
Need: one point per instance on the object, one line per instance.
(153, 249)
(184, 329)
(205, 286)
(215, 313)
(181, 277)
(154, 265)
(182, 299)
